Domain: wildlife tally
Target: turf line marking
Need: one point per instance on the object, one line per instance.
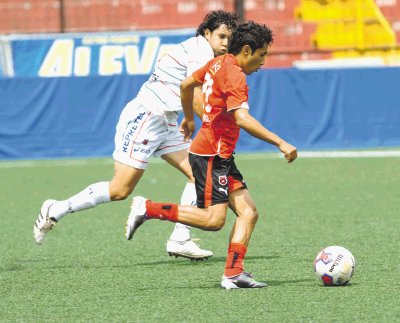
(109, 161)
(329, 154)
(54, 163)
(349, 154)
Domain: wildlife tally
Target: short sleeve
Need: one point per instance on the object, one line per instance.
(236, 90)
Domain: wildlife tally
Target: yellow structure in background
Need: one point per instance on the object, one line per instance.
(350, 28)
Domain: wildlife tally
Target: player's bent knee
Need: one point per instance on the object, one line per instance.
(119, 194)
(254, 217)
(251, 214)
(215, 223)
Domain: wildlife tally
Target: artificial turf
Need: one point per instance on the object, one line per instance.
(87, 272)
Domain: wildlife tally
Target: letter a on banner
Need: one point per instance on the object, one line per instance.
(58, 61)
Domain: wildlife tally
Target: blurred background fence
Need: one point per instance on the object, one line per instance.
(304, 29)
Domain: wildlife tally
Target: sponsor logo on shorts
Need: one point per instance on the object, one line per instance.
(141, 150)
(225, 190)
(131, 131)
(222, 180)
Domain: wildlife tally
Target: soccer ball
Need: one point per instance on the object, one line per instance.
(334, 266)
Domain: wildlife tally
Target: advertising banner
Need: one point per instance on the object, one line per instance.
(93, 54)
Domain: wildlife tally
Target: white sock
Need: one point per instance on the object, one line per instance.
(181, 231)
(91, 196)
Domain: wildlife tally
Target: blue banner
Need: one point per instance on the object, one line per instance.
(82, 55)
(62, 117)
(76, 116)
(327, 109)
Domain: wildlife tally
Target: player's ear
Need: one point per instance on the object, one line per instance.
(246, 50)
(207, 34)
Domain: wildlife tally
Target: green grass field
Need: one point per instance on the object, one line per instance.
(87, 272)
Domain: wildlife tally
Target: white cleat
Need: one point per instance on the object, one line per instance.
(243, 280)
(43, 222)
(136, 217)
(187, 249)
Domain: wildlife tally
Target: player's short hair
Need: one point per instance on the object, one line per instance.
(216, 18)
(250, 33)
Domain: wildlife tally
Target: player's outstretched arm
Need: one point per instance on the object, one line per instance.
(246, 122)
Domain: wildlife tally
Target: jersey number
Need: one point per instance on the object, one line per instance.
(207, 90)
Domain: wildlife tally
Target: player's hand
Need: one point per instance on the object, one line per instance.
(289, 151)
(187, 128)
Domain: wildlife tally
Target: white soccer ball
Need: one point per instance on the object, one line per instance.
(334, 266)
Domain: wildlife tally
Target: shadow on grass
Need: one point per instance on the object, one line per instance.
(11, 268)
(18, 264)
(186, 262)
(271, 284)
(277, 283)
(21, 264)
(349, 285)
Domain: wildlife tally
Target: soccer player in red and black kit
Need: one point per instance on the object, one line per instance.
(219, 183)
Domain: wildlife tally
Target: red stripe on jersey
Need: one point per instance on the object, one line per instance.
(170, 89)
(176, 61)
(209, 182)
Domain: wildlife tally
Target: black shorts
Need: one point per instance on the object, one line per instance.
(215, 177)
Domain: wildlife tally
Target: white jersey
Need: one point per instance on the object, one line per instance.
(161, 93)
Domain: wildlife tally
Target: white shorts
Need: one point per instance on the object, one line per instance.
(141, 134)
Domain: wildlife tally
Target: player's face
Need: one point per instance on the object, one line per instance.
(218, 39)
(254, 61)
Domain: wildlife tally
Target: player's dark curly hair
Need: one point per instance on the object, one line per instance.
(250, 33)
(216, 18)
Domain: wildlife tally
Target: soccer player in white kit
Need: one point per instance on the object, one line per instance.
(148, 127)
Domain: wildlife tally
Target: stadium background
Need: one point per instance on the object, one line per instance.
(68, 67)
